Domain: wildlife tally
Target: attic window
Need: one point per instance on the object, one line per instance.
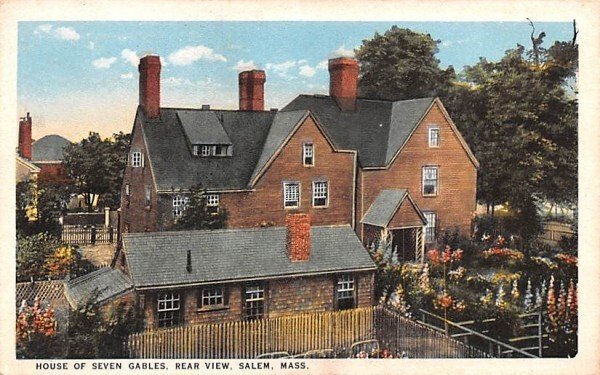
(308, 155)
(434, 136)
(211, 150)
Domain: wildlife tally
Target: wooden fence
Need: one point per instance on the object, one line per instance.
(297, 334)
(87, 235)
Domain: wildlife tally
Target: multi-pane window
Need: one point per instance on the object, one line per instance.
(210, 150)
(168, 309)
(254, 302)
(320, 193)
(136, 159)
(344, 292)
(308, 154)
(430, 180)
(430, 227)
(148, 196)
(212, 297)
(291, 194)
(212, 203)
(179, 203)
(434, 137)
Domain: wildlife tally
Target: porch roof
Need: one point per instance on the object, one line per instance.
(385, 206)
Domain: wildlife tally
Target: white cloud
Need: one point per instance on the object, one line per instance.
(130, 57)
(342, 52)
(91, 45)
(127, 75)
(323, 65)
(104, 62)
(282, 69)
(190, 54)
(45, 28)
(177, 81)
(242, 65)
(67, 33)
(307, 71)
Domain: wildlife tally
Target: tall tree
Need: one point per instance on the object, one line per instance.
(401, 64)
(96, 166)
(197, 215)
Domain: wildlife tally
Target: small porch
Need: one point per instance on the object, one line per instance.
(394, 213)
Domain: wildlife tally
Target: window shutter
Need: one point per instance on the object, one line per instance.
(226, 296)
(199, 298)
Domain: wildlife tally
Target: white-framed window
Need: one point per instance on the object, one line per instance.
(212, 296)
(137, 159)
(211, 150)
(291, 194)
(430, 181)
(434, 136)
(206, 150)
(254, 301)
(148, 192)
(127, 190)
(179, 203)
(430, 227)
(308, 154)
(212, 203)
(169, 305)
(344, 292)
(320, 194)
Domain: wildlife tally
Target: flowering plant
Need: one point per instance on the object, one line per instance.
(35, 319)
(496, 252)
(568, 259)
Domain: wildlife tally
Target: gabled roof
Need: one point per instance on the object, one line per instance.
(107, 282)
(173, 165)
(386, 205)
(283, 125)
(27, 164)
(376, 129)
(159, 259)
(203, 127)
(49, 148)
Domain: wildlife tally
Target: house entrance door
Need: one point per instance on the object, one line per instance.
(404, 241)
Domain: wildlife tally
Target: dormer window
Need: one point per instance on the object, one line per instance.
(211, 150)
(308, 155)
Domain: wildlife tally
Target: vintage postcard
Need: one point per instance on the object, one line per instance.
(299, 187)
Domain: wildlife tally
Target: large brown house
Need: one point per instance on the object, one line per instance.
(371, 164)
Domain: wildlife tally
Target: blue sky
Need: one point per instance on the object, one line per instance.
(79, 76)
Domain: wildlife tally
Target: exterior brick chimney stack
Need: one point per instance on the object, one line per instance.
(343, 82)
(149, 69)
(25, 137)
(298, 237)
(252, 90)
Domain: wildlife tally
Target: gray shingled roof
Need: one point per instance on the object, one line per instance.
(283, 124)
(384, 207)
(203, 127)
(108, 282)
(175, 167)
(377, 129)
(49, 148)
(160, 258)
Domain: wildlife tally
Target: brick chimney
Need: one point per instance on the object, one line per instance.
(25, 137)
(343, 82)
(298, 237)
(252, 90)
(149, 69)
